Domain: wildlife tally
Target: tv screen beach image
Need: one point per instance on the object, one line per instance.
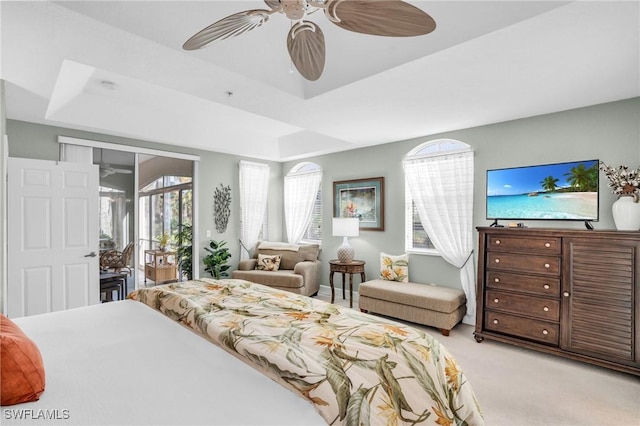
(565, 191)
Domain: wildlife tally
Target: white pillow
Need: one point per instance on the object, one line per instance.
(268, 263)
(394, 268)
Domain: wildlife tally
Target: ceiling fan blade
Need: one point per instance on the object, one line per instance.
(274, 4)
(391, 18)
(306, 49)
(124, 171)
(106, 172)
(233, 25)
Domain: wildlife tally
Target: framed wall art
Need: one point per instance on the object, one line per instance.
(361, 198)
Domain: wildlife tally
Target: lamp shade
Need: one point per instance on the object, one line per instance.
(346, 226)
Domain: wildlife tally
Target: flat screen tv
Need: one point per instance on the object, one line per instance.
(561, 191)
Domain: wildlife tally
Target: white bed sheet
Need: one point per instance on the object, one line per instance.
(125, 363)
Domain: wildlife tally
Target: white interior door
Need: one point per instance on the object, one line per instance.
(52, 236)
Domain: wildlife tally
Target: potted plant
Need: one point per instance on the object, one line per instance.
(625, 183)
(184, 251)
(163, 240)
(216, 261)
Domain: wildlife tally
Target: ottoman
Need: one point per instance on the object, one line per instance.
(426, 304)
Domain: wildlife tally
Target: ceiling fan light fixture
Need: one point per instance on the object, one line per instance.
(295, 9)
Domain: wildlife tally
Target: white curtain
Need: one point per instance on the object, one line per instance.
(442, 188)
(254, 184)
(300, 192)
(76, 153)
(120, 221)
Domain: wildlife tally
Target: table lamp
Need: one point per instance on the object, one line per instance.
(346, 227)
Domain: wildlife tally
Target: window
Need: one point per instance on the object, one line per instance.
(314, 230)
(303, 203)
(165, 181)
(254, 185)
(165, 205)
(416, 237)
(113, 228)
(264, 230)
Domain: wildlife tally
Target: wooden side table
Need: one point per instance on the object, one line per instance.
(353, 267)
(160, 266)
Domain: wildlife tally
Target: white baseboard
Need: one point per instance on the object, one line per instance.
(325, 290)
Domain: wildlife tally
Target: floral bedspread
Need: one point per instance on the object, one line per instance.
(357, 369)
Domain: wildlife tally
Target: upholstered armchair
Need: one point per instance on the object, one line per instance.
(298, 270)
(117, 260)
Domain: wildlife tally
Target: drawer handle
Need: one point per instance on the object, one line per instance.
(497, 260)
(546, 265)
(546, 309)
(546, 286)
(565, 294)
(495, 321)
(497, 242)
(497, 280)
(545, 332)
(496, 300)
(547, 245)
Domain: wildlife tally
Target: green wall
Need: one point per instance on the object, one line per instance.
(29, 140)
(610, 132)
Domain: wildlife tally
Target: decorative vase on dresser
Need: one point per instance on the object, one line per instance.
(626, 213)
(569, 292)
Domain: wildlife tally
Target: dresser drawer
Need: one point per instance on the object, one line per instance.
(538, 245)
(547, 265)
(540, 331)
(544, 286)
(538, 307)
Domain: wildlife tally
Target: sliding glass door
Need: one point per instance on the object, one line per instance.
(165, 202)
(165, 181)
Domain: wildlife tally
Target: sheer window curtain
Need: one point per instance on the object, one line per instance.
(254, 184)
(300, 192)
(442, 189)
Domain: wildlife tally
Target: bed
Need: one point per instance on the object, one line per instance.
(122, 363)
(327, 364)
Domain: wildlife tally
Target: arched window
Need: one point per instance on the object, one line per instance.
(439, 181)
(416, 237)
(303, 203)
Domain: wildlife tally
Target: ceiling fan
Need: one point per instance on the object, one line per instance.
(305, 42)
(107, 170)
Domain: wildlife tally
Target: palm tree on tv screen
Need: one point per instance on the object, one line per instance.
(549, 183)
(582, 178)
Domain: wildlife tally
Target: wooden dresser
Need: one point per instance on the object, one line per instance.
(572, 293)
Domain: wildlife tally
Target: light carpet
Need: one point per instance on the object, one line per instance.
(521, 387)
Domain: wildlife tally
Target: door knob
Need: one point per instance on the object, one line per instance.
(92, 254)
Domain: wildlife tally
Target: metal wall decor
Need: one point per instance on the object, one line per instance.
(222, 207)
